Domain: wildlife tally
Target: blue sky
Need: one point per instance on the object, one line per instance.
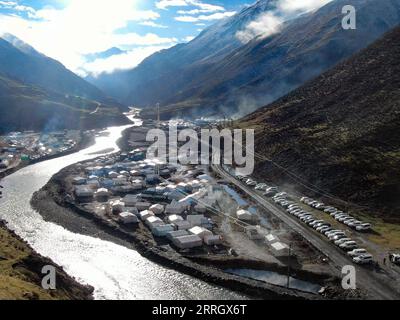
(68, 30)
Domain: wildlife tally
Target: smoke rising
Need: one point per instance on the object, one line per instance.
(270, 23)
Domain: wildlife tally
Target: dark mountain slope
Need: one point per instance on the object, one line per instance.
(210, 75)
(21, 61)
(24, 107)
(340, 132)
(160, 75)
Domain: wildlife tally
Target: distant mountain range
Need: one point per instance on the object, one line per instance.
(104, 55)
(339, 133)
(21, 61)
(217, 74)
(39, 93)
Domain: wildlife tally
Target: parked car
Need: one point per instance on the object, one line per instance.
(363, 259)
(357, 252)
(340, 241)
(351, 245)
(315, 222)
(324, 229)
(336, 236)
(364, 227)
(395, 258)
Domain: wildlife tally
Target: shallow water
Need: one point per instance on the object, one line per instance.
(114, 271)
(276, 279)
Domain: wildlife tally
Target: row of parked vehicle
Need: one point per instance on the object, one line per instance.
(338, 237)
(338, 215)
(269, 191)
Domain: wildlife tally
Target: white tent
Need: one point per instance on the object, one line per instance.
(145, 214)
(174, 218)
(157, 208)
(102, 192)
(244, 215)
(153, 221)
(128, 218)
(200, 232)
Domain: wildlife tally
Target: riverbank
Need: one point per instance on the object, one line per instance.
(52, 204)
(21, 276)
(20, 265)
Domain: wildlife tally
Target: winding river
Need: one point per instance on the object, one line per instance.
(115, 272)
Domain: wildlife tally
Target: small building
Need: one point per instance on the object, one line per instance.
(244, 215)
(182, 225)
(153, 221)
(128, 218)
(78, 181)
(175, 208)
(157, 208)
(175, 234)
(197, 220)
(143, 206)
(102, 193)
(212, 240)
(162, 230)
(200, 232)
(174, 218)
(117, 206)
(188, 242)
(130, 200)
(113, 174)
(145, 214)
(84, 191)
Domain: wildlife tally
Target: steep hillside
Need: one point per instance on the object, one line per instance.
(216, 74)
(163, 70)
(21, 61)
(339, 133)
(24, 107)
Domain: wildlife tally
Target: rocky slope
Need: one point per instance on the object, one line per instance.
(339, 133)
(217, 74)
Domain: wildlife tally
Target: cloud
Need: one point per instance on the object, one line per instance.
(123, 61)
(153, 24)
(188, 39)
(290, 6)
(211, 17)
(202, 7)
(81, 27)
(270, 23)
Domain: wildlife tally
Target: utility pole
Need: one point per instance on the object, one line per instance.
(289, 261)
(158, 116)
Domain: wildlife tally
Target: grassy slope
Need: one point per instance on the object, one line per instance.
(20, 273)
